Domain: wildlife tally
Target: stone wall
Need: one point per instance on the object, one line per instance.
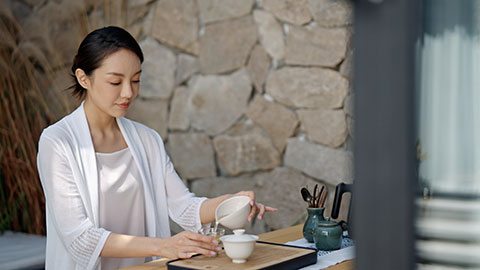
(248, 95)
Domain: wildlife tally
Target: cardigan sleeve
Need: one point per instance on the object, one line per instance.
(65, 207)
(183, 205)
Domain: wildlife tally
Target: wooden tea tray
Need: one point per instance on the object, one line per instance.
(265, 256)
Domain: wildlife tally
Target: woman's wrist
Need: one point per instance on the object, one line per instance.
(226, 196)
(208, 207)
(157, 246)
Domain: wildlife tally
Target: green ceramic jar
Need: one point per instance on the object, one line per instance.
(328, 235)
(314, 216)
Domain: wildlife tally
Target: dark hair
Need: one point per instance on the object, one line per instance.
(96, 47)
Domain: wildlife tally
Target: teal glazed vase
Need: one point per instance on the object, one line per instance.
(328, 235)
(315, 215)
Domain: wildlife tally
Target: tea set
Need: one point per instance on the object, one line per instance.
(232, 213)
(325, 233)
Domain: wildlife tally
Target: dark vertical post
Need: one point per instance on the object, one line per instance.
(384, 74)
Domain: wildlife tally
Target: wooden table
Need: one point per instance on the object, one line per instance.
(279, 236)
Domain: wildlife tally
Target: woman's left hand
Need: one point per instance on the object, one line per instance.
(255, 207)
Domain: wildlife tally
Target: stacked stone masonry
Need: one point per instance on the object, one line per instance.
(248, 95)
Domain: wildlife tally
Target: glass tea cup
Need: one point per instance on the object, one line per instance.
(213, 233)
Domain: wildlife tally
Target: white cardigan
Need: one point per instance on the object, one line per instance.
(68, 172)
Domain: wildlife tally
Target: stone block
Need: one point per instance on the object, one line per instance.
(277, 121)
(281, 189)
(271, 34)
(320, 162)
(192, 155)
(348, 105)
(257, 67)
(290, 11)
(328, 127)
(243, 128)
(175, 23)
(316, 46)
(147, 24)
(307, 87)
(135, 29)
(186, 67)
(158, 70)
(152, 113)
(218, 10)
(347, 65)
(216, 102)
(136, 12)
(225, 45)
(135, 3)
(215, 186)
(62, 23)
(331, 13)
(178, 117)
(247, 153)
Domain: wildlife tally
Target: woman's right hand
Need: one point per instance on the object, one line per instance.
(185, 244)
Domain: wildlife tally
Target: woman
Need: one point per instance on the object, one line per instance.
(109, 184)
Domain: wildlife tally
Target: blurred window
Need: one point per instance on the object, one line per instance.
(448, 136)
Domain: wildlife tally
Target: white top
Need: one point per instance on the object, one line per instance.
(68, 172)
(122, 206)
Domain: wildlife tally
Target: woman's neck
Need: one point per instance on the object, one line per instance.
(99, 122)
(104, 130)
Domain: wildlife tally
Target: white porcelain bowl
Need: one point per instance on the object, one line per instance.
(233, 212)
(239, 246)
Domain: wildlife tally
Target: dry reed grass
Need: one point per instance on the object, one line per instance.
(27, 106)
(28, 103)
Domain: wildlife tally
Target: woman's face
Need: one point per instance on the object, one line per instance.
(114, 85)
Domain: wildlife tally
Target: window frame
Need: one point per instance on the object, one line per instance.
(384, 40)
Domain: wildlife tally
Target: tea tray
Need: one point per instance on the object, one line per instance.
(265, 256)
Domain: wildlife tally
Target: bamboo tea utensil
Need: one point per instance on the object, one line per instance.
(324, 198)
(320, 196)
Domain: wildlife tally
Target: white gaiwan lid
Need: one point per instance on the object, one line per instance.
(239, 236)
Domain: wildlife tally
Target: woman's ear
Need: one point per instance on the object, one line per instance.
(82, 78)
